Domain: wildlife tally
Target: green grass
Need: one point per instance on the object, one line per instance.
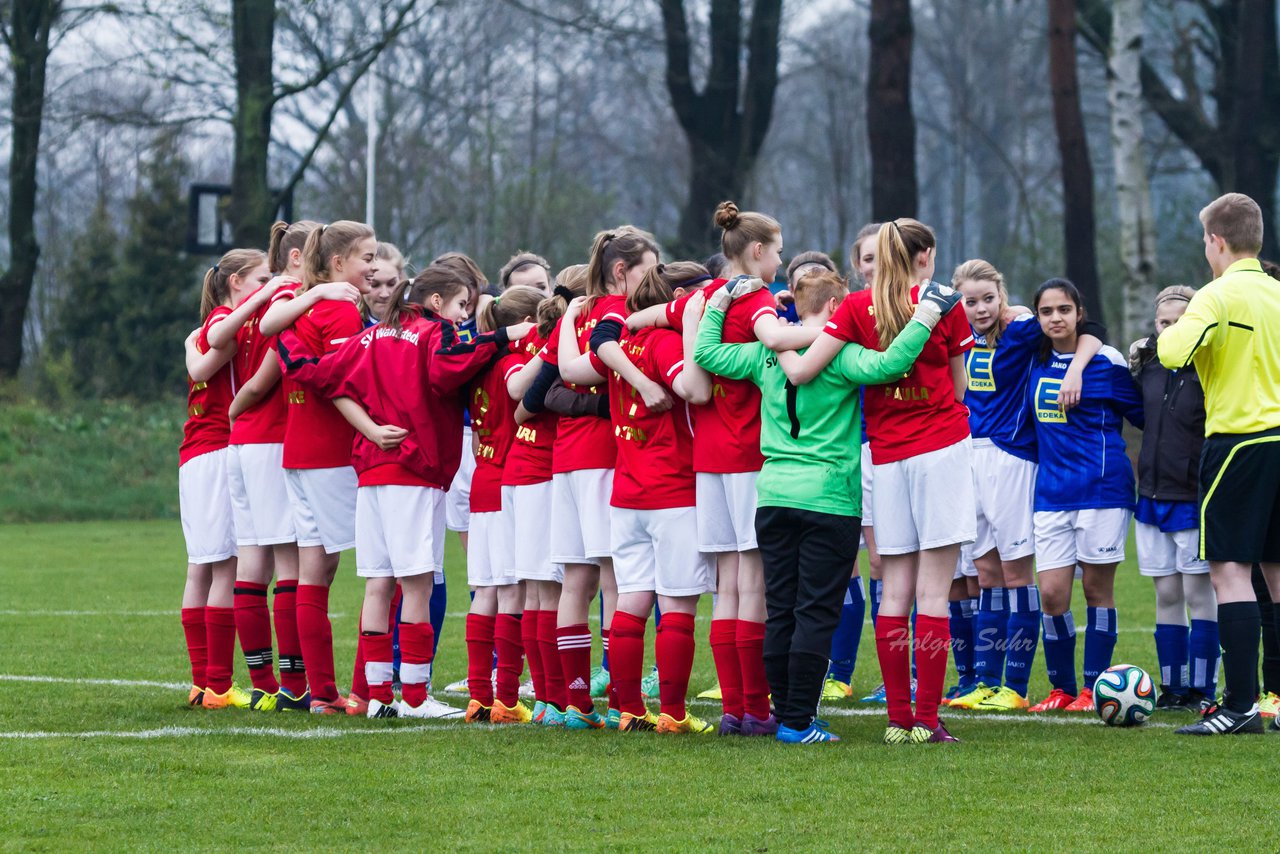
(211, 782)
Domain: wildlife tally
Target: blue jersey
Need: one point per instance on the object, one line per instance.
(997, 387)
(1083, 465)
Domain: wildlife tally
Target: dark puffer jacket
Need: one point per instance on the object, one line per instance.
(1169, 463)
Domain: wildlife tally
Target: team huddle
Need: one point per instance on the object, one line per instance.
(647, 433)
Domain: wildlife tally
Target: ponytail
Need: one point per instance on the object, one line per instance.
(897, 246)
(571, 282)
(328, 241)
(660, 282)
(284, 239)
(513, 306)
(215, 290)
(411, 296)
(625, 243)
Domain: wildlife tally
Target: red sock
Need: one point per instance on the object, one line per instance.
(933, 640)
(377, 664)
(316, 639)
(197, 643)
(755, 685)
(626, 661)
(284, 607)
(220, 639)
(480, 658)
(253, 625)
(610, 695)
(893, 647)
(724, 650)
(674, 650)
(359, 684)
(533, 653)
(510, 648)
(574, 644)
(557, 689)
(416, 642)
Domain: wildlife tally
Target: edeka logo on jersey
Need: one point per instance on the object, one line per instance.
(1047, 401)
(978, 367)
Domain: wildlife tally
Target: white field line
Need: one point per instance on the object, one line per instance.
(13, 612)
(273, 732)
(115, 683)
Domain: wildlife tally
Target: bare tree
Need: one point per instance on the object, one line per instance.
(891, 125)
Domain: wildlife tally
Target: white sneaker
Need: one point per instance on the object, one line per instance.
(459, 687)
(430, 708)
(379, 709)
(526, 689)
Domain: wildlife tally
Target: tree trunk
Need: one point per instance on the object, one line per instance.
(28, 42)
(252, 207)
(1073, 147)
(1133, 194)
(891, 126)
(1256, 119)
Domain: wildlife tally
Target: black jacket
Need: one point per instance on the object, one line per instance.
(1169, 462)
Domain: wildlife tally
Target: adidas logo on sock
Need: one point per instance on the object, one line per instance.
(578, 685)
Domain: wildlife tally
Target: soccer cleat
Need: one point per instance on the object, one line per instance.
(195, 696)
(379, 709)
(833, 690)
(517, 714)
(648, 722)
(1268, 704)
(712, 693)
(1222, 721)
(649, 684)
(329, 707)
(459, 687)
(575, 718)
(538, 708)
(1275, 724)
(552, 717)
(691, 724)
(233, 698)
(286, 702)
(1057, 699)
(431, 708)
(477, 712)
(1199, 703)
(1082, 703)
(939, 735)
(876, 696)
(1004, 700)
(815, 733)
(729, 725)
(526, 690)
(752, 725)
(970, 700)
(894, 734)
(356, 705)
(918, 734)
(1172, 701)
(612, 718)
(599, 682)
(261, 701)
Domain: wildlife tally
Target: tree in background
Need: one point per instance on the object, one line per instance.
(84, 333)
(891, 125)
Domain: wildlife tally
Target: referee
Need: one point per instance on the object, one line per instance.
(1231, 331)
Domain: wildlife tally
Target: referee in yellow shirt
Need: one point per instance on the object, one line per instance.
(1231, 331)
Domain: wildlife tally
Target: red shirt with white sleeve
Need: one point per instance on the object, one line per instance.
(316, 435)
(529, 460)
(493, 423)
(207, 428)
(585, 442)
(263, 423)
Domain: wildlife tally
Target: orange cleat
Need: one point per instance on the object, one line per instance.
(477, 713)
(517, 714)
(329, 707)
(1057, 699)
(356, 706)
(1083, 703)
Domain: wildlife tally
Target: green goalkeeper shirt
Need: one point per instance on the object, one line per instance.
(809, 434)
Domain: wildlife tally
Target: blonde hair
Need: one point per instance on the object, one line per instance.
(978, 270)
(215, 290)
(390, 253)
(897, 246)
(514, 305)
(336, 239)
(1175, 293)
(1237, 219)
(284, 239)
(816, 289)
(740, 229)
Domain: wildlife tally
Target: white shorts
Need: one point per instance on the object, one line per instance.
(580, 516)
(204, 502)
(1069, 537)
(458, 503)
(399, 531)
(259, 496)
(726, 511)
(324, 507)
(926, 501)
(1161, 553)
(530, 536)
(490, 554)
(1003, 488)
(866, 485)
(656, 550)
(965, 567)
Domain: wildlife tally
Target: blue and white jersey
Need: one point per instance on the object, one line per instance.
(997, 387)
(1083, 465)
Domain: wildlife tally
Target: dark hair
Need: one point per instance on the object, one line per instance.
(717, 265)
(462, 263)
(411, 295)
(1073, 293)
(1271, 268)
(570, 282)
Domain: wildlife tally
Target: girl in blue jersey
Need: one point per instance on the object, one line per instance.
(1084, 493)
(1007, 341)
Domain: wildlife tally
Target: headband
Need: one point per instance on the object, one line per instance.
(562, 291)
(1168, 297)
(696, 280)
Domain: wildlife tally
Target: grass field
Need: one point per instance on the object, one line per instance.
(97, 750)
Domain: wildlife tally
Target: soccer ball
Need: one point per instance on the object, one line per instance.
(1124, 695)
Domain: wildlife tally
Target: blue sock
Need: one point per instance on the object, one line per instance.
(657, 613)
(844, 643)
(604, 654)
(1099, 643)
(1022, 636)
(1173, 653)
(874, 587)
(438, 607)
(990, 635)
(395, 638)
(1060, 651)
(962, 640)
(1204, 657)
(913, 650)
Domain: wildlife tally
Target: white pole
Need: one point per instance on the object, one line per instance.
(371, 144)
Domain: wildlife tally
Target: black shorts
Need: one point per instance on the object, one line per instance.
(1240, 497)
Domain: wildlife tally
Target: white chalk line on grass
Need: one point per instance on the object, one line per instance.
(273, 732)
(14, 612)
(117, 683)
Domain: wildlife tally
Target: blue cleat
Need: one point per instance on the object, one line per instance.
(815, 734)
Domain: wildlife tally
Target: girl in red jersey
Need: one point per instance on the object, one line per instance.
(653, 519)
(204, 496)
(494, 621)
(408, 370)
(919, 432)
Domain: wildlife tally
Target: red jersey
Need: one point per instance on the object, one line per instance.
(529, 460)
(207, 428)
(412, 378)
(585, 442)
(493, 421)
(918, 413)
(655, 449)
(316, 436)
(263, 423)
(727, 435)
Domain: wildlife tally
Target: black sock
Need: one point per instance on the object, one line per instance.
(807, 672)
(775, 671)
(1270, 633)
(1239, 627)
